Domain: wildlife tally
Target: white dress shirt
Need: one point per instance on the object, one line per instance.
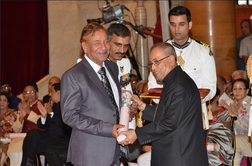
(96, 68)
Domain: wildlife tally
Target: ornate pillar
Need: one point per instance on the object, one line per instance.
(214, 24)
(142, 53)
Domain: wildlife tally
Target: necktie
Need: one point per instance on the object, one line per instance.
(107, 86)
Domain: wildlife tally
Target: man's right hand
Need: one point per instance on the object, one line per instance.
(24, 106)
(48, 107)
(115, 132)
(140, 104)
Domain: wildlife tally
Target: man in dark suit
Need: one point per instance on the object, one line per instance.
(176, 133)
(90, 100)
(53, 80)
(37, 141)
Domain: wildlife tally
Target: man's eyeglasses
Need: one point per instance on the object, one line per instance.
(5, 87)
(239, 89)
(156, 62)
(138, 91)
(29, 92)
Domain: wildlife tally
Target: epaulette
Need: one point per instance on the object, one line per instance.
(206, 45)
(202, 43)
(167, 40)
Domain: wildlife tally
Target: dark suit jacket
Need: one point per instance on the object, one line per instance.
(55, 128)
(87, 108)
(176, 134)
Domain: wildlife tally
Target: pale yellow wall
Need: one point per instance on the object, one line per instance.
(67, 19)
(63, 20)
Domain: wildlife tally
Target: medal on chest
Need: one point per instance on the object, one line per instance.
(180, 60)
(122, 68)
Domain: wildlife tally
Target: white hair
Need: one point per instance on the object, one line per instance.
(242, 72)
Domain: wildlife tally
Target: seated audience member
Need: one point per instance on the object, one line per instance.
(222, 86)
(37, 141)
(26, 121)
(8, 117)
(30, 107)
(6, 87)
(240, 109)
(243, 148)
(220, 135)
(133, 81)
(139, 87)
(53, 80)
(56, 154)
(228, 79)
(239, 74)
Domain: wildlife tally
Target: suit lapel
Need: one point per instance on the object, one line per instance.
(93, 77)
(115, 78)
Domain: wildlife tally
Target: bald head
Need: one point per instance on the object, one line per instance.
(162, 60)
(239, 74)
(53, 80)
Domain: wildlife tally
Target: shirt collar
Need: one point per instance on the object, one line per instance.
(95, 66)
(169, 76)
(34, 103)
(187, 43)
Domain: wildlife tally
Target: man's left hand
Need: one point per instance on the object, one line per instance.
(115, 128)
(130, 137)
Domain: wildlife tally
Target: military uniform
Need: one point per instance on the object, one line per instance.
(124, 72)
(197, 60)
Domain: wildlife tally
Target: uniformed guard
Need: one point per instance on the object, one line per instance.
(194, 57)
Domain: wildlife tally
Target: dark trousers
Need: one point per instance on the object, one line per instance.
(135, 150)
(56, 154)
(35, 142)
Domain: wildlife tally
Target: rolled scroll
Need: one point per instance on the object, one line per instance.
(124, 114)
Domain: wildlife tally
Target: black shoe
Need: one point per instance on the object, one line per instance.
(29, 163)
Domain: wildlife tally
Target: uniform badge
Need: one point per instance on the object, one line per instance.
(210, 53)
(122, 68)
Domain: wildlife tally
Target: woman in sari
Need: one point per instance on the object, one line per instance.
(219, 135)
(8, 117)
(240, 108)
